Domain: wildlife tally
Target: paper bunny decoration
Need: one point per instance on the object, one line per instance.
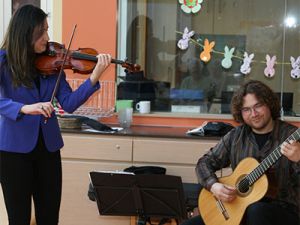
(227, 62)
(269, 70)
(205, 54)
(183, 43)
(295, 72)
(245, 67)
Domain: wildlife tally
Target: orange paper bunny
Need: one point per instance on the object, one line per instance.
(205, 54)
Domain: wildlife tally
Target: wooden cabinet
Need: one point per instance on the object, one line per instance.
(83, 153)
(76, 207)
(178, 156)
(97, 147)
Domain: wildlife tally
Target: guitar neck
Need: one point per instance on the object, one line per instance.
(270, 160)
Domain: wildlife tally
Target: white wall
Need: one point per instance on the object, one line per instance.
(5, 14)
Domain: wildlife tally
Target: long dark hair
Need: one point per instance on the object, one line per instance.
(25, 27)
(263, 93)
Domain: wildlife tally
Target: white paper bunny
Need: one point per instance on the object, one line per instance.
(269, 70)
(227, 62)
(183, 43)
(245, 67)
(295, 72)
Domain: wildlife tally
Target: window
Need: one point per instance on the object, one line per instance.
(18, 3)
(10, 6)
(177, 80)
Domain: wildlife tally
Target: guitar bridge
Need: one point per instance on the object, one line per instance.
(222, 208)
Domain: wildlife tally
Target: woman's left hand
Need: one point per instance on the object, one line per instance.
(291, 150)
(104, 61)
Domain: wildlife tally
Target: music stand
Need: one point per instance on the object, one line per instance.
(142, 195)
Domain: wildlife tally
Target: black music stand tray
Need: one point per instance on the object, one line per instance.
(142, 195)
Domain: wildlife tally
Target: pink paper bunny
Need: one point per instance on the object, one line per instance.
(183, 43)
(245, 67)
(295, 72)
(269, 70)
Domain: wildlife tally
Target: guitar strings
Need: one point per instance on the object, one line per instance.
(245, 183)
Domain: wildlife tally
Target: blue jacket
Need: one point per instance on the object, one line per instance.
(18, 132)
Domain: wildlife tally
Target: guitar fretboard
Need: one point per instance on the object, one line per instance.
(270, 160)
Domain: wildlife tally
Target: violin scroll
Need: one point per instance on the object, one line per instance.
(127, 65)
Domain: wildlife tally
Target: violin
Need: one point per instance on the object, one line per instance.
(81, 61)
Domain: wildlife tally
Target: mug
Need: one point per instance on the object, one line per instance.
(123, 104)
(143, 106)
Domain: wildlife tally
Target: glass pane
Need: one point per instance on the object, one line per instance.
(177, 80)
(17, 3)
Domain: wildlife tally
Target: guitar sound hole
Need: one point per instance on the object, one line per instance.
(243, 186)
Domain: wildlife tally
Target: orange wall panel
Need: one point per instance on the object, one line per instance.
(96, 27)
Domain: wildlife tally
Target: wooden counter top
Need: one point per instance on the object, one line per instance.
(145, 131)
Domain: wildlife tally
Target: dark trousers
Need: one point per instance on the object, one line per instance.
(260, 213)
(36, 175)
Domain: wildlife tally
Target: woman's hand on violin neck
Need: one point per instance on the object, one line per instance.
(40, 108)
(104, 61)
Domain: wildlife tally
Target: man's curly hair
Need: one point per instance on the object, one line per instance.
(263, 93)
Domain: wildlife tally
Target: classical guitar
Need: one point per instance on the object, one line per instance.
(251, 184)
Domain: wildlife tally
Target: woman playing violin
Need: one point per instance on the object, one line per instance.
(29, 148)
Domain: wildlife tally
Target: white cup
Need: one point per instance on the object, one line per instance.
(143, 106)
(125, 117)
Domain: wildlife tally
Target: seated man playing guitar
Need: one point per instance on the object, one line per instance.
(264, 153)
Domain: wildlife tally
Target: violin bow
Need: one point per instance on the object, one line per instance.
(61, 70)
